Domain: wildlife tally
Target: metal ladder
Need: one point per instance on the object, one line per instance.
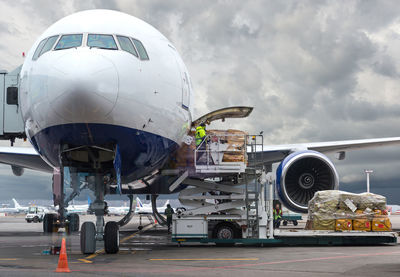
(252, 185)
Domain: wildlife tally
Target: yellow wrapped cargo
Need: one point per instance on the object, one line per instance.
(371, 201)
(362, 224)
(343, 225)
(377, 212)
(323, 224)
(340, 211)
(381, 224)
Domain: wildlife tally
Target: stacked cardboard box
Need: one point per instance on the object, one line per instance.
(234, 141)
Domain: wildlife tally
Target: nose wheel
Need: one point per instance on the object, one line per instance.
(90, 232)
(111, 237)
(88, 238)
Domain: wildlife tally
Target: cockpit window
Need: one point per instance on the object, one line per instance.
(142, 51)
(102, 41)
(48, 45)
(69, 41)
(127, 45)
(38, 49)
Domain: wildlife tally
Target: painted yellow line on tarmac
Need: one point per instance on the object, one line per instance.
(217, 259)
(9, 259)
(134, 234)
(85, 261)
(101, 251)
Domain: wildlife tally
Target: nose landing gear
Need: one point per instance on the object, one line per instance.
(91, 233)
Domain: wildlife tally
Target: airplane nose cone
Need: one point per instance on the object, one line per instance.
(82, 87)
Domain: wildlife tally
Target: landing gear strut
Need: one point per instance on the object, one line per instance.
(52, 222)
(91, 233)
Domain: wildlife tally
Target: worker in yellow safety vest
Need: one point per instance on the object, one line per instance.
(200, 136)
(277, 216)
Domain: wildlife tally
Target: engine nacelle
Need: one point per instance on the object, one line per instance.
(300, 175)
(17, 171)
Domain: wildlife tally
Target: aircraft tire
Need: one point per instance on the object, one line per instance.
(48, 223)
(88, 238)
(111, 237)
(73, 223)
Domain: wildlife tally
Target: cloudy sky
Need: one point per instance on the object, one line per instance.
(313, 70)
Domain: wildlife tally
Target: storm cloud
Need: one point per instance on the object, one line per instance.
(313, 70)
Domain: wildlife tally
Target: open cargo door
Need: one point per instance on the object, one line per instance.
(231, 112)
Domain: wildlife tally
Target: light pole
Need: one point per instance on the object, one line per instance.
(368, 171)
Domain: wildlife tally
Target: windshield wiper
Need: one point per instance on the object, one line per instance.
(76, 47)
(106, 48)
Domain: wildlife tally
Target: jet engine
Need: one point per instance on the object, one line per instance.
(17, 171)
(300, 175)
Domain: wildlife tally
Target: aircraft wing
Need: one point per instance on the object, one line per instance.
(24, 157)
(276, 153)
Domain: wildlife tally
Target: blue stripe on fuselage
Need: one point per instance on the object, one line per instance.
(141, 152)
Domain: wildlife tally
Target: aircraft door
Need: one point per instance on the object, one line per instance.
(184, 80)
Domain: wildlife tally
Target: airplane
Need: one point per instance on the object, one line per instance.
(17, 208)
(147, 208)
(21, 209)
(6, 209)
(105, 94)
(118, 210)
(79, 209)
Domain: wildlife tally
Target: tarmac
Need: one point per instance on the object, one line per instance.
(150, 252)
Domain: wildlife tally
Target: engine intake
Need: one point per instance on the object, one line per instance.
(300, 175)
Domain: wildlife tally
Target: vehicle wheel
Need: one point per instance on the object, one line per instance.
(73, 223)
(48, 223)
(284, 223)
(111, 237)
(295, 223)
(29, 221)
(88, 238)
(224, 231)
(36, 219)
(140, 228)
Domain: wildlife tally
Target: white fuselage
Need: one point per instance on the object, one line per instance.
(91, 96)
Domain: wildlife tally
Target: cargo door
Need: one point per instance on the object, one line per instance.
(184, 82)
(185, 91)
(230, 112)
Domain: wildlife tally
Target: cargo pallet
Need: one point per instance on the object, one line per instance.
(304, 237)
(336, 240)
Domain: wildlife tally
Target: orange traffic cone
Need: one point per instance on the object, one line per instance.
(62, 260)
